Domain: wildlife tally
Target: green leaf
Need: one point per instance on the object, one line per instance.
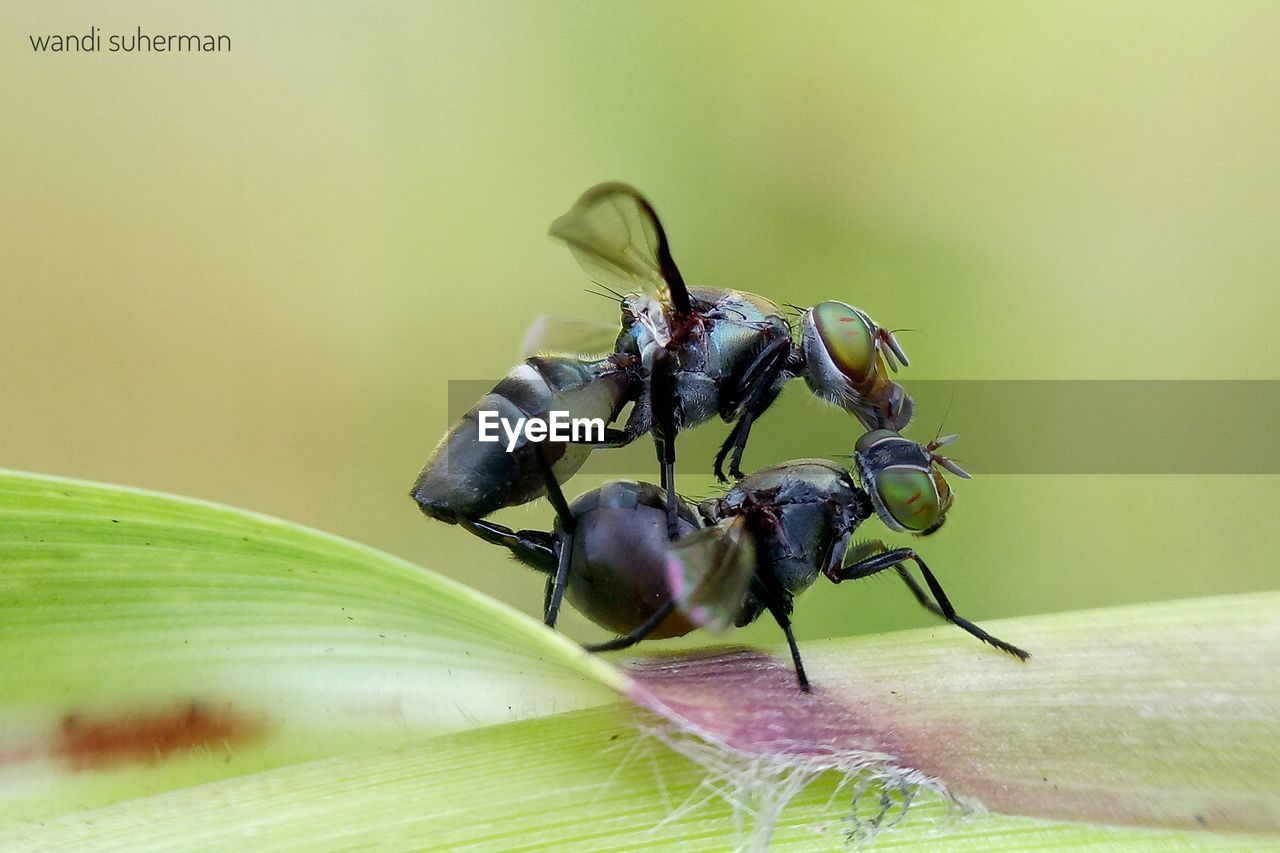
(149, 642)
(1163, 714)
(597, 779)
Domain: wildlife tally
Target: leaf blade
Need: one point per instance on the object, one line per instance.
(139, 632)
(586, 780)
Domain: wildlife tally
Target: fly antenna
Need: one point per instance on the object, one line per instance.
(938, 442)
(894, 349)
(951, 466)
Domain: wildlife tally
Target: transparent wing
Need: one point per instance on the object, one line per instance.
(548, 334)
(617, 238)
(710, 573)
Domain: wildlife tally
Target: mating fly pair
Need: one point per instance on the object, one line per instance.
(682, 356)
(636, 558)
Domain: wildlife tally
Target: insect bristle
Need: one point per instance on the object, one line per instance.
(610, 297)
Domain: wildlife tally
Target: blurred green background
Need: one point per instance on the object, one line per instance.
(248, 277)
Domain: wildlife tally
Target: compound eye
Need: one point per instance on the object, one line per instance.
(848, 338)
(911, 496)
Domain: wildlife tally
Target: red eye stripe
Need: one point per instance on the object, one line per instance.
(913, 499)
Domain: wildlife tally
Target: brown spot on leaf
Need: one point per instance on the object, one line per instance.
(147, 738)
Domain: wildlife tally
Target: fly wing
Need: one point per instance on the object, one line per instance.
(710, 572)
(549, 334)
(616, 236)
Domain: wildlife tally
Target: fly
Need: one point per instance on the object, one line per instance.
(752, 550)
(707, 351)
(683, 355)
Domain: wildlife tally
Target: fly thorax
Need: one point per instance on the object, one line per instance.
(699, 399)
(730, 346)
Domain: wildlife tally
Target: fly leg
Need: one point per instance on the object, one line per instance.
(664, 402)
(781, 613)
(638, 423)
(870, 549)
(556, 585)
(737, 439)
(565, 526)
(782, 617)
(531, 547)
(612, 438)
(873, 557)
(641, 631)
(542, 551)
(757, 385)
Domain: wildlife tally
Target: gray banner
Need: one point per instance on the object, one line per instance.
(1008, 427)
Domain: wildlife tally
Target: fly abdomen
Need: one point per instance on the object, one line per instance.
(484, 464)
(618, 577)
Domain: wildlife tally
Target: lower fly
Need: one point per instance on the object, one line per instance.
(752, 550)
